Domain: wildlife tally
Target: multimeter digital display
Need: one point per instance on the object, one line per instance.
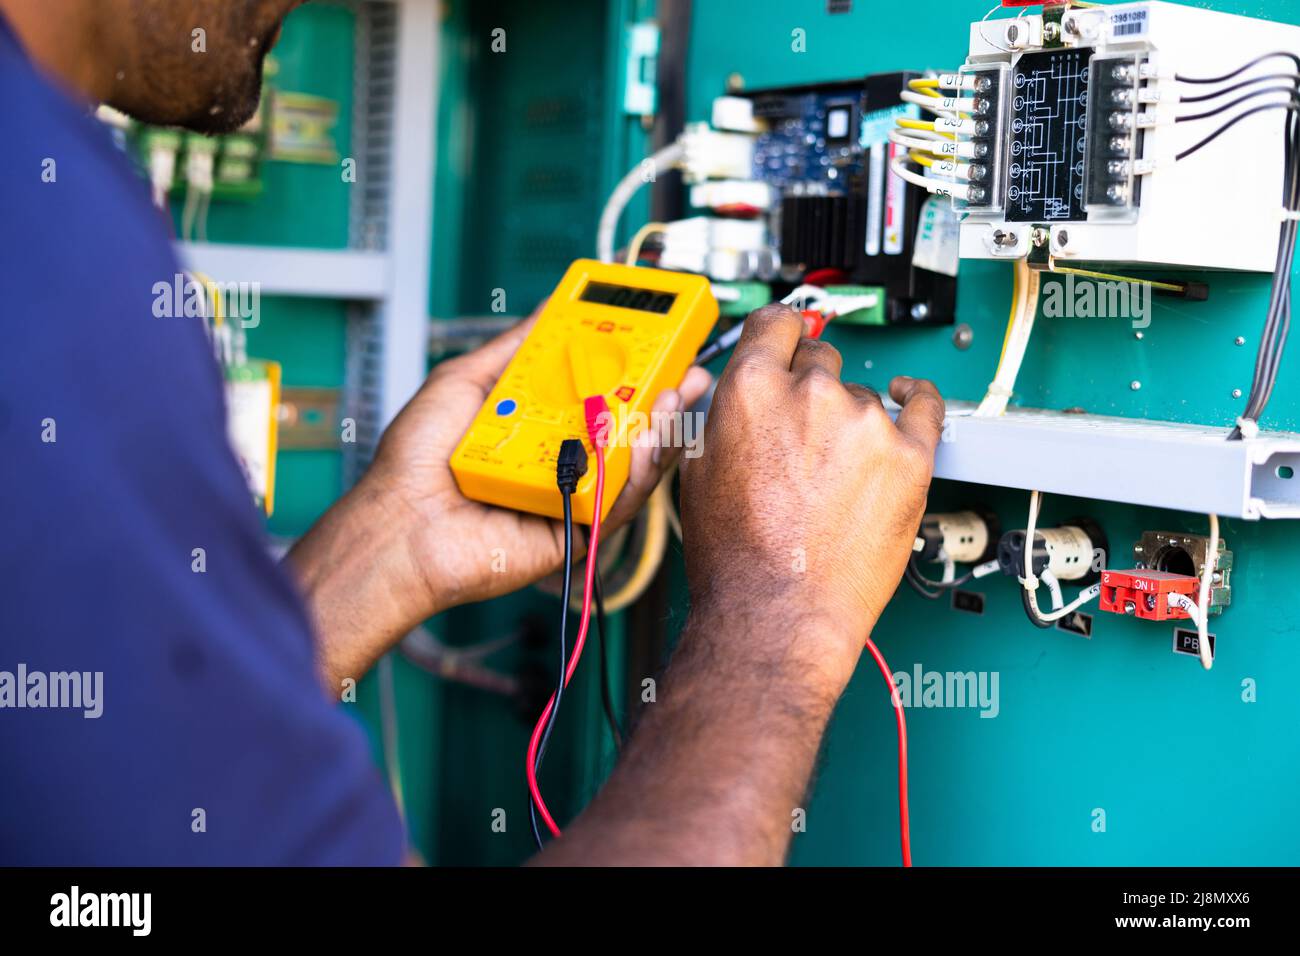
(626, 297)
(622, 332)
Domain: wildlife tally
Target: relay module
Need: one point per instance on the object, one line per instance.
(1098, 125)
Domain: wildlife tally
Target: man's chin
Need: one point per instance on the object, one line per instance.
(222, 118)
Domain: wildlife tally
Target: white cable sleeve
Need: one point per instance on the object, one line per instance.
(661, 161)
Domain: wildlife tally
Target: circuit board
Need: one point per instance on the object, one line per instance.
(812, 144)
(1045, 175)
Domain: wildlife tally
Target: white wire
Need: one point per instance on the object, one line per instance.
(956, 106)
(949, 567)
(1053, 588)
(1207, 577)
(662, 160)
(913, 142)
(941, 187)
(1022, 326)
(1188, 605)
(1035, 502)
(1030, 583)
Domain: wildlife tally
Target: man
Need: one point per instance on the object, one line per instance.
(116, 470)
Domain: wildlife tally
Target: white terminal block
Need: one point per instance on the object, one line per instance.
(1215, 209)
(735, 114)
(730, 193)
(710, 154)
(727, 250)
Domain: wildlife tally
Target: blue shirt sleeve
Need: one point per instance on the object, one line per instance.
(114, 468)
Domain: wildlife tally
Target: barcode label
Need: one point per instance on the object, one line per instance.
(1128, 22)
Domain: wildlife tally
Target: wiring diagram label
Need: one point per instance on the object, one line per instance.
(1049, 136)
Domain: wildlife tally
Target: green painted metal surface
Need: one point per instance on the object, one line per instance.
(304, 204)
(1184, 769)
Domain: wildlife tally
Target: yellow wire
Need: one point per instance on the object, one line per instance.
(927, 125)
(926, 85)
(1015, 310)
(214, 294)
(642, 234)
(652, 554)
(918, 157)
(1108, 277)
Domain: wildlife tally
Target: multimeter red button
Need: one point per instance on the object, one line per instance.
(507, 406)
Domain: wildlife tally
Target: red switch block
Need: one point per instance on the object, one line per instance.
(1145, 594)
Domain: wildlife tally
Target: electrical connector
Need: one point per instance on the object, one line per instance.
(571, 465)
(1146, 594)
(709, 154)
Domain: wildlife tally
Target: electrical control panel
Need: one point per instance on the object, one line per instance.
(1094, 136)
(821, 154)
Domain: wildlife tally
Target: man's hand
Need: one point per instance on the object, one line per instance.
(405, 543)
(798, 521)
(807, 497)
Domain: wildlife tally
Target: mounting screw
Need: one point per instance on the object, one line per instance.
(1038, 236)
(1239, 340)
(920, 311)
(1135, 385)
(1130, 607)
(1139, 335)
(735, 83)
(1236, 393)
(1062, 238)
(1004, 238)
(962, 336)
(1051, 32)
(1013, 34)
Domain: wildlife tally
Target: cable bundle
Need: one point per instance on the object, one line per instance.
(932, 144)
(1278, 323)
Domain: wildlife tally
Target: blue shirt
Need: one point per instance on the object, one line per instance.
(214, 743)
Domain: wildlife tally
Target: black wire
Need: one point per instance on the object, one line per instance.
(1277, 327)
(567, 496)
(1027, 598)
(911, 576)
(1241, 69)
(1231, 123)
(1224, 107)
(1263, 78)
(923, 585)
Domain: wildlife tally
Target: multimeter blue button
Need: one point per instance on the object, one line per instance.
(506, 407)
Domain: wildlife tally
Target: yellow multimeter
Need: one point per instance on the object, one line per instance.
(622, 332)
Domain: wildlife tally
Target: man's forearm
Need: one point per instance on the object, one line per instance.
(719, 765)
(349, 569)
